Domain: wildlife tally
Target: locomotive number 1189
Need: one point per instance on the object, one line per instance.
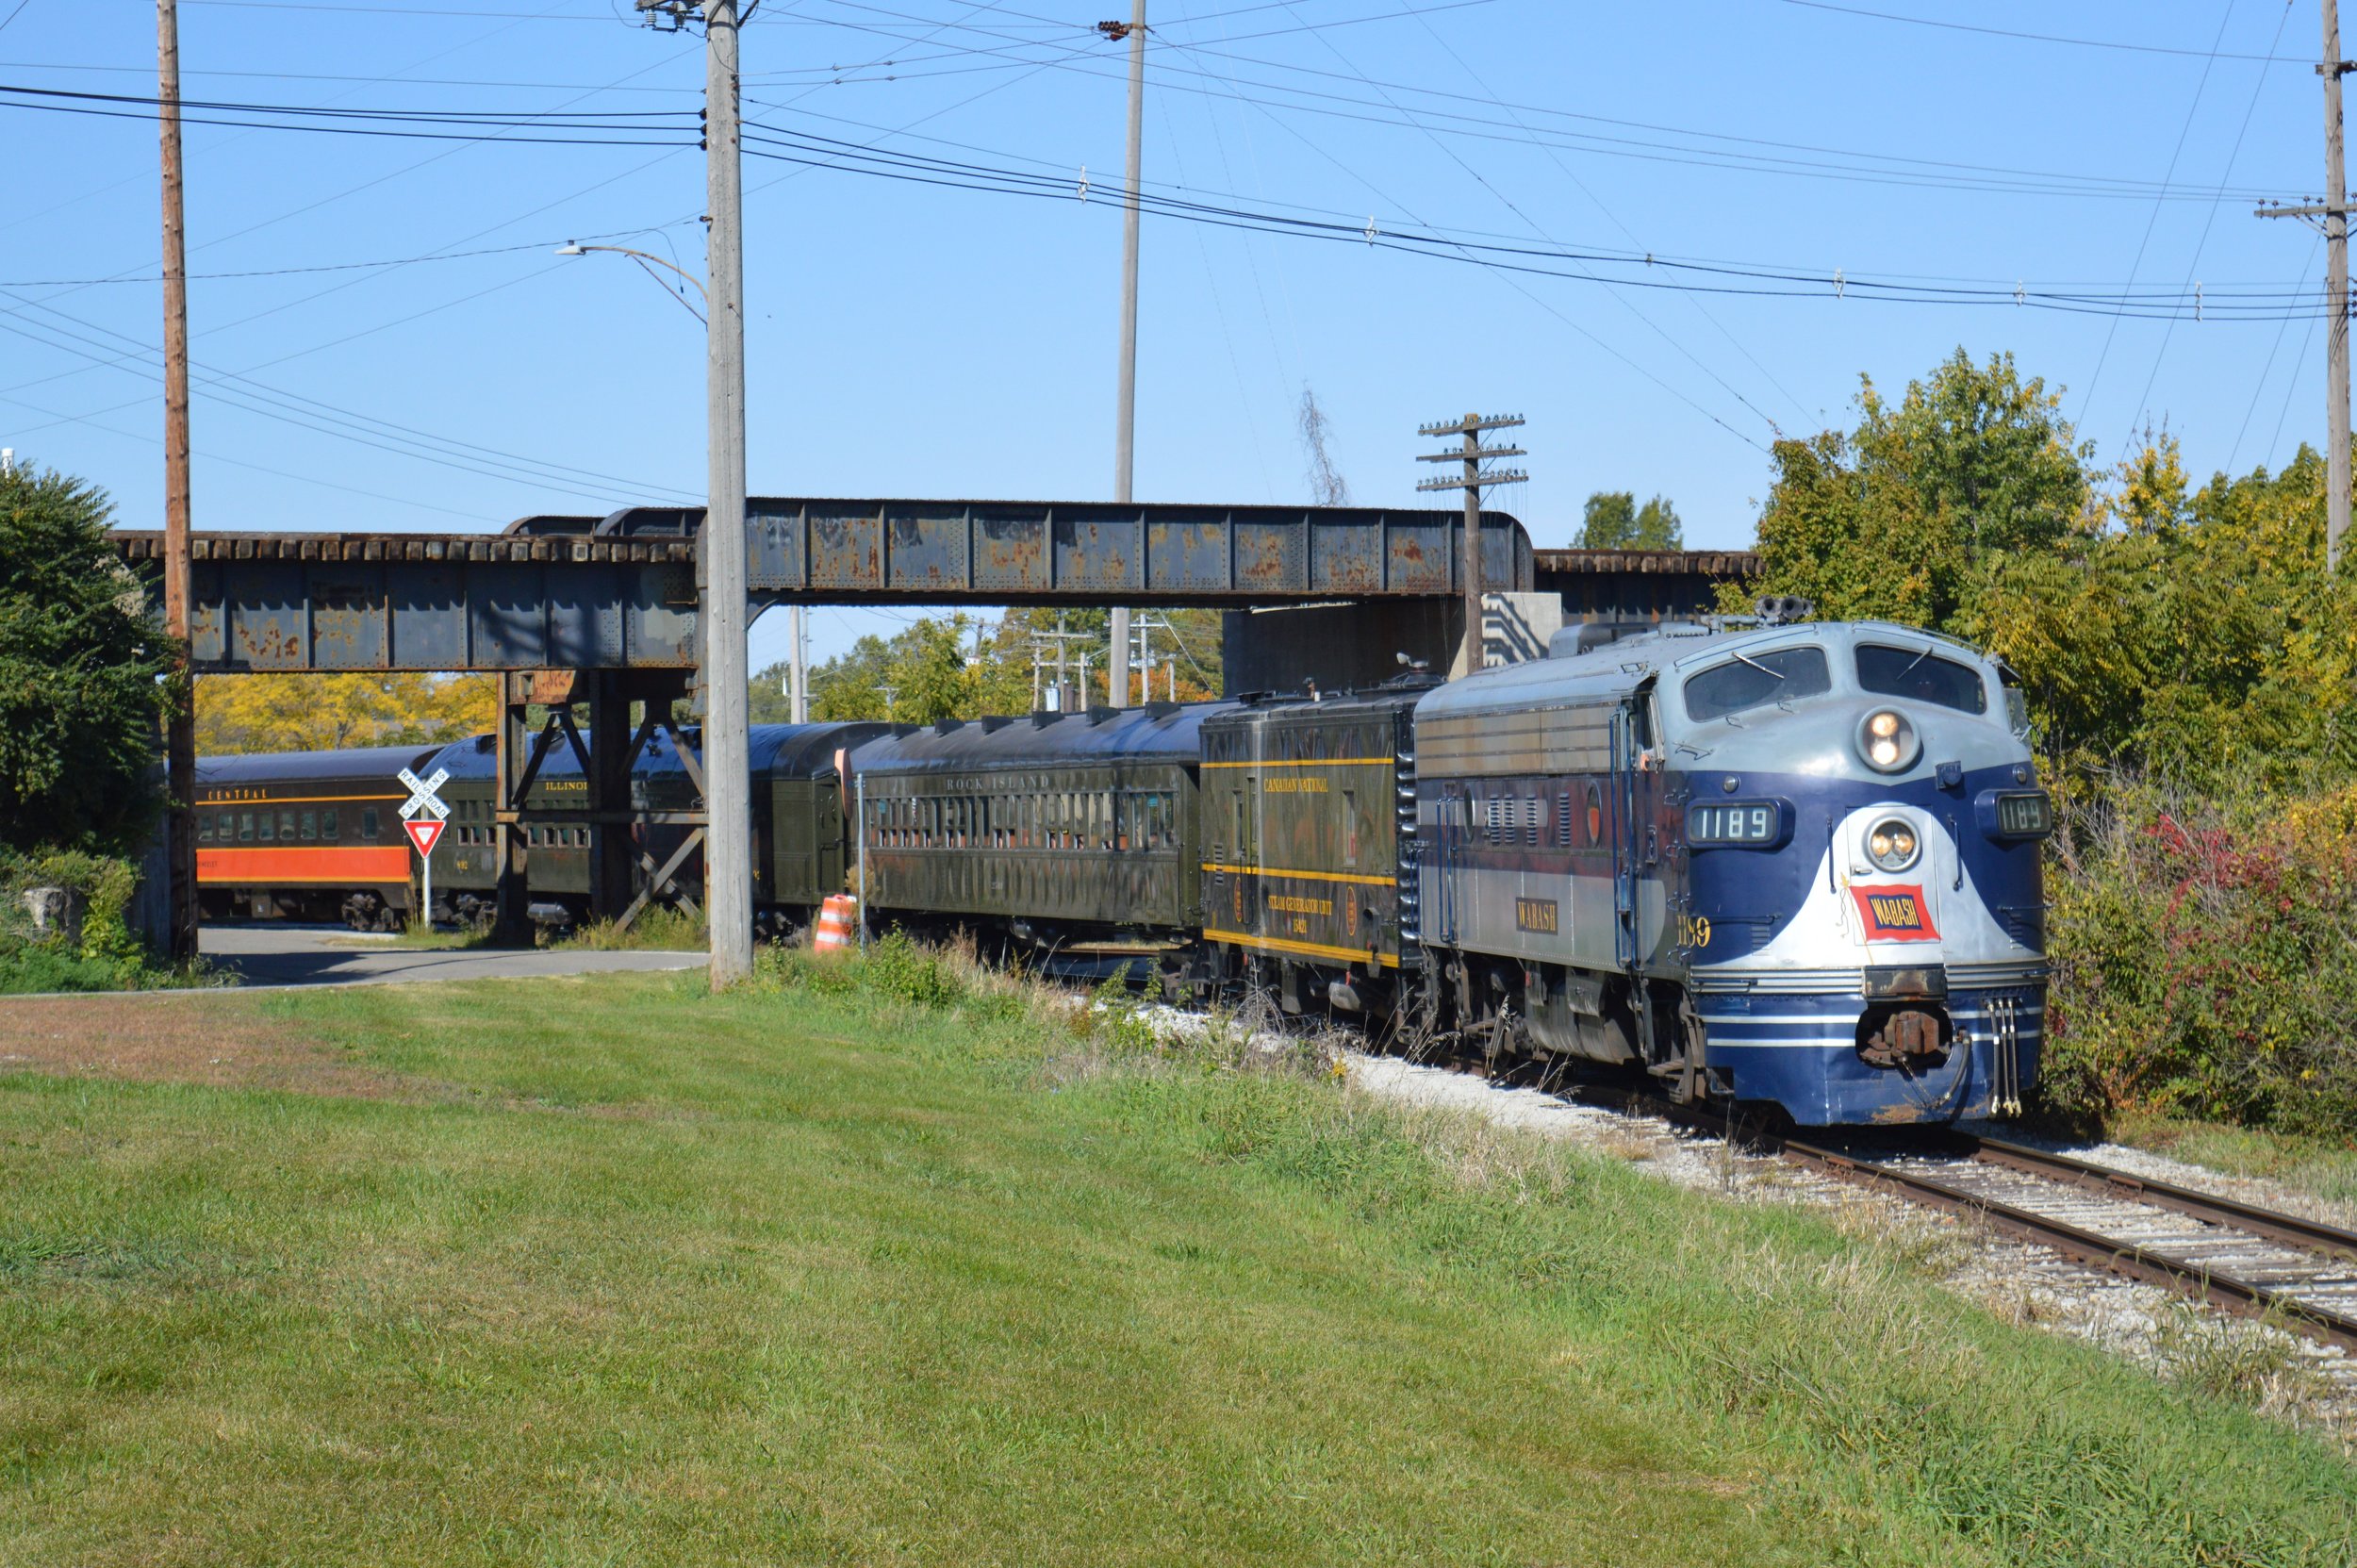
(1747, 822)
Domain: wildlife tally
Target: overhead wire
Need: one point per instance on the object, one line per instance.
(385, 269)
(2120, 44)
(253, 396)
(2086, 399)
(2143, 404)
(2265, 302)
(2268, 369)
(1904, 170)
(1595, 201)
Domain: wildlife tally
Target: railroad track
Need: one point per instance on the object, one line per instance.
(2258, 1263)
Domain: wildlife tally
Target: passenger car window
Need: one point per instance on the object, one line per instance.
(1919, 674)
(327, 823)
(1755, 680)
(367, 821)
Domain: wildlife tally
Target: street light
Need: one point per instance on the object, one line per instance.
(644, 258)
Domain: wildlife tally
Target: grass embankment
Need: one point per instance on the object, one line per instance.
(877, 1264)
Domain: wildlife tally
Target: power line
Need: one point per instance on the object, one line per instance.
(1908, 172)
(2144, 398)
(2268, 369)
(2266, 301)
(310, 413)
(2086, 399)
(323, 267)
(2046, 38)
(1597, 202)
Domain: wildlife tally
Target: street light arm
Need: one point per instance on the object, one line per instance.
(646, 256)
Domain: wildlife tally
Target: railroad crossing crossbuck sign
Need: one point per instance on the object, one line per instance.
(423, 816)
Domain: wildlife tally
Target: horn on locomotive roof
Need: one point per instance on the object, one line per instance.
(1778, 609)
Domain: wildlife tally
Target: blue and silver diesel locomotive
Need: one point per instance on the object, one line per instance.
(1792, 865)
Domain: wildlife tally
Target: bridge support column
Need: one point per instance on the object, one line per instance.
(512, 919)
(612, 855)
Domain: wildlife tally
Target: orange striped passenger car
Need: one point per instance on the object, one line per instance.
(312, 836)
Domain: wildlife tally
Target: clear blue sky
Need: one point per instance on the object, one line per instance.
(911, 339)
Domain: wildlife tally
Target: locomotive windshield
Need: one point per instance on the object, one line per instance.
(1752, 681)
(1918, 674)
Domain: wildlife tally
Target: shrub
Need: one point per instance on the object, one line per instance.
(2205, 958)
(107, 957)
(83, 668)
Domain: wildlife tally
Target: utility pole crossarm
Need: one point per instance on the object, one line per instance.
(1470, 424)
(1480, 482)
(1474, 654)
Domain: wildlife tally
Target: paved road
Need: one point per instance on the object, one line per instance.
(267, 953)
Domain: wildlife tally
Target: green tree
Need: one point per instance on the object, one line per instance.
(961, 667)
(1613, 520)
(83, 673)
(1899, 518)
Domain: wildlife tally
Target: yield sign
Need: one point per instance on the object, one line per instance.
(422, 831)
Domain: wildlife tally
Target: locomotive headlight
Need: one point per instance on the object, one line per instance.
(1891, 843)
(1888, 741)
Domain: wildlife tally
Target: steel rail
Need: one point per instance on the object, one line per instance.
(2152, 1267)
(2238, 1296)
(2291, 1229)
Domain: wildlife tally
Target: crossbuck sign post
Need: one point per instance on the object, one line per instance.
(422, 819)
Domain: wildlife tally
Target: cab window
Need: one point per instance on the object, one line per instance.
(1921, 676)
(1755, 680)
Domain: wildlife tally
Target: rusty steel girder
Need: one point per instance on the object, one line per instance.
(620, 592)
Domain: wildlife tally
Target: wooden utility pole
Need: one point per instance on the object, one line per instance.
(180, 721)
(1125, 419)
(1473, 483)
(727, 745)
(2333, 212)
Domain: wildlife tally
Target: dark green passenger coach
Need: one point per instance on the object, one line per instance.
(1073, 835)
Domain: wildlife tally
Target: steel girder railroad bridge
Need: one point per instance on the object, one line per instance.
(599, 613)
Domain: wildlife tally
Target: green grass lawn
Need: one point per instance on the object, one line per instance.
(868, 1265)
